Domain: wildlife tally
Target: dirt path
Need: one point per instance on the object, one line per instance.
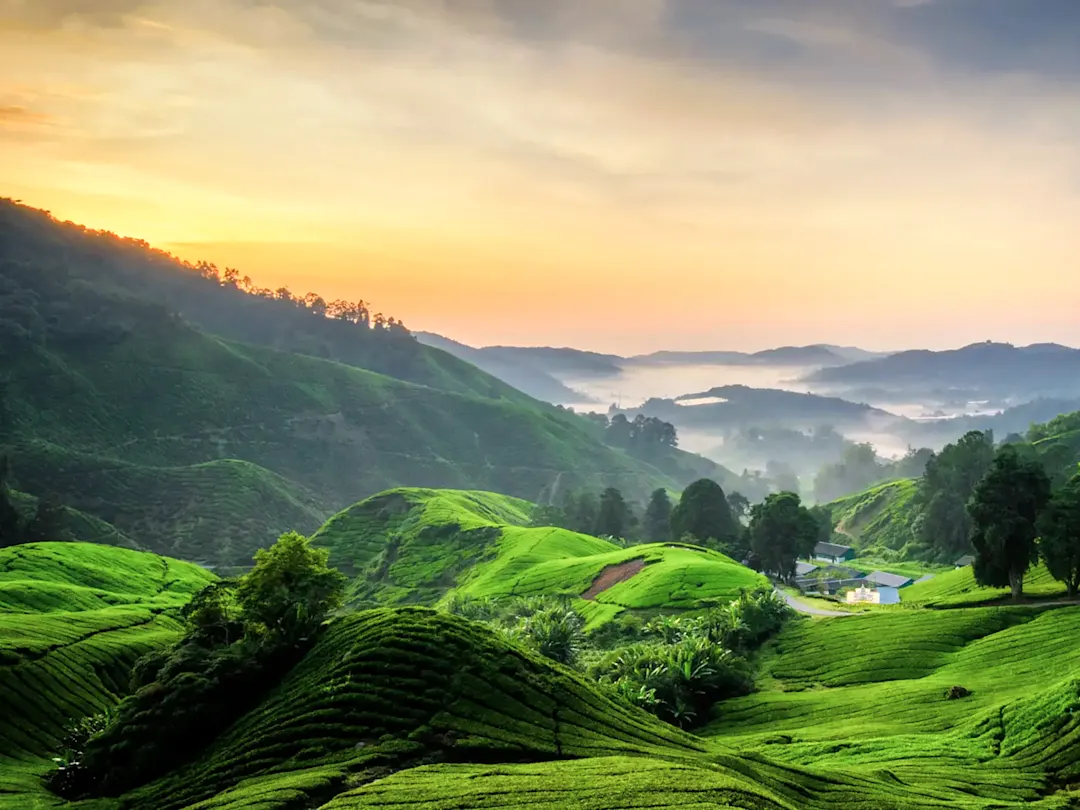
(613, 575)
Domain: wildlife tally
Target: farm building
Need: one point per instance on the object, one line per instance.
(967, 559)
(886, 580)
(803, 569)
(834, 553)
(876, 596)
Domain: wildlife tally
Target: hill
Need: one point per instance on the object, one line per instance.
(848, 713)
(880, 517)
(870, 693)
(415, 546)
(74, 618)
(805, 356)
(996, 370)
(523, 373)
(179, 437)
(736, 406)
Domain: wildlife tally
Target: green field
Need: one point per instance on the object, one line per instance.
(415, 545)
(880, 517)
(957, 587)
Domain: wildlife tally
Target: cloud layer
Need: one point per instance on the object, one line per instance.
(715, 172)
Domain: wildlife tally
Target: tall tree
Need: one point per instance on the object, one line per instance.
(704, 514)
(47, 524)
(782, 530)
(1059, 535)
(1004, 511)
(658, 517)
(613, 517)
(946, 487)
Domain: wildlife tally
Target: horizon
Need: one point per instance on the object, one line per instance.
(684, 176)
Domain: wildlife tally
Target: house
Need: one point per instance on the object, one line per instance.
(877, 596)
(881, 578)
(834, 553)
(803, 569)
(924, 578)
(967, 559)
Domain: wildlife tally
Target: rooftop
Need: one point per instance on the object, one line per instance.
(967, 559)
(887, 580)
(831, 550)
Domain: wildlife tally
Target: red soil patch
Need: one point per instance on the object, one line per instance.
(613, 575)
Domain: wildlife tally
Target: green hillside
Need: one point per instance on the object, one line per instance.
(849, 713)
(74, 618)
(118, 407)
(866, 694)
(413, 545)
(880, 517)
(958, 587)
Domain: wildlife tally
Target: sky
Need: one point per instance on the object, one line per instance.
(625, 175)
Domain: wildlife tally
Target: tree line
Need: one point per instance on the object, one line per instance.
(770, 536)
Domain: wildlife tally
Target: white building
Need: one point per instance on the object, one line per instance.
(876, 596)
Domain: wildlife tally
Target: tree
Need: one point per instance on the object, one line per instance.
(1004, 511)
(782, 476)
(946, 487)
(613, 517)
(740, 505)
(782, 530)
(658, 517)
(1059, 535)
(704, 514)
(290, 590)
(823, 516)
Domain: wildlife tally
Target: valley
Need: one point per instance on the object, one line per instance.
(264, 550)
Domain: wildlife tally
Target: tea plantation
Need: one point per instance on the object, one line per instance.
(415, 545)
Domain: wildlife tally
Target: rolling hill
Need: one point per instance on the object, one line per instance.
(413, 708)
(196, 445)
(413, 546)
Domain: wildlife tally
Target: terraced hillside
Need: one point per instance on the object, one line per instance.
(134, 403)
(413, 546)
(867, 694)
(74, 617)
(958, 587)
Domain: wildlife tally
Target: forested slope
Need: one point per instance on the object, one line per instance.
(198, 446)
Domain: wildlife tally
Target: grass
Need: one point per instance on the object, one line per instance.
(415, 545)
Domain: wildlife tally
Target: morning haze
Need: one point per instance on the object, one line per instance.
(539, 404)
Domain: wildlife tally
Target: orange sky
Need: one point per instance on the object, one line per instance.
(686, 174)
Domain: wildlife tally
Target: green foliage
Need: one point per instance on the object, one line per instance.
(242, 638)
(883, 517)
(781, 531)
(555, 632)
(1059, 535)
(614, 518)
(703, 513)
(950, 480)
(291, 590)
(657, 520)
(1004, 509)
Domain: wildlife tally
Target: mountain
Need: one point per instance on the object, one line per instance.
(997, 370)
(523, 373)
(207, 448)
(818, 355)
(560, 362)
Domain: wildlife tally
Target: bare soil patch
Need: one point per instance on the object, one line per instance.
(613, 575)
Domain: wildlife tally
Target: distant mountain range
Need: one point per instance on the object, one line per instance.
(989, 369)
(820, 355)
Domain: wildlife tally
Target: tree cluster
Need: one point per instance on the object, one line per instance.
(1015, 518)
(242, 636)
(944, 526)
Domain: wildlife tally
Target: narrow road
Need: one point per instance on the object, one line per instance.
(802, 607)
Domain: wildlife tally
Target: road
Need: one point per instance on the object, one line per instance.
(802, 607)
